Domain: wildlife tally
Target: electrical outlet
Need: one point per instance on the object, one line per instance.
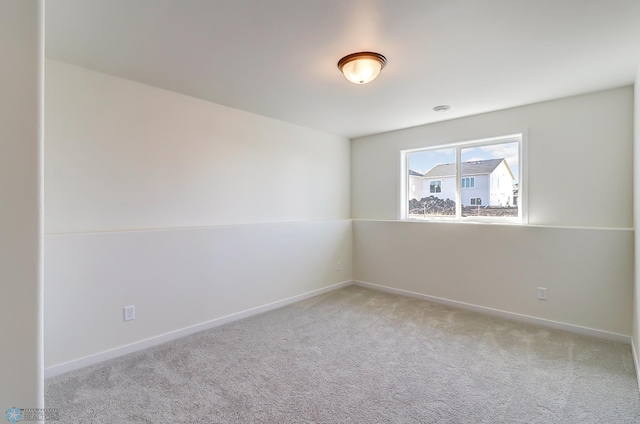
(542, 293)
(129, 313)
(338, 266)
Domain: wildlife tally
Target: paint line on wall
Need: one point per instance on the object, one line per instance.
(201, 227)
(553, 227)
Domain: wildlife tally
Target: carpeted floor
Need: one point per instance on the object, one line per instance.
(360, 356)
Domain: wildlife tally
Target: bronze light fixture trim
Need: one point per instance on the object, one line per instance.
(362, 67)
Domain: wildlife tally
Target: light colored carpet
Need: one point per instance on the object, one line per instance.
(360, 356)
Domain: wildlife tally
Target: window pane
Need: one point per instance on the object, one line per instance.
(433, 173)
(493, 189)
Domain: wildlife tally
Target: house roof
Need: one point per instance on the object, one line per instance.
(475, 167)
(414, 173)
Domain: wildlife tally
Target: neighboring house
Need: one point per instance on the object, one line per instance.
(484, 183)
(416, 189)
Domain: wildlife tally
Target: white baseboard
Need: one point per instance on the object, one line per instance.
(634, 352)
(504, 314)
(59, 369)
(86, 361)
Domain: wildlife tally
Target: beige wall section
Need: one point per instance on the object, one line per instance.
(579, 159)
(123, 155)
(179, 278)
(238, 211)
(21, 381)
(587, 272)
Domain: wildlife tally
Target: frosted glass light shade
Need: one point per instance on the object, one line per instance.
(363, 67)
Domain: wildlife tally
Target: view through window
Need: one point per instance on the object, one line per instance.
(473, 179)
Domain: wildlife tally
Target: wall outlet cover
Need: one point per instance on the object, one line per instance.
(542, 293)
(129, 312)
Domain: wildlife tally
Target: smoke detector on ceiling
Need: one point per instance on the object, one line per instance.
(442, 108)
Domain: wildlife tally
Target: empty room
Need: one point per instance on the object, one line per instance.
(283, 211)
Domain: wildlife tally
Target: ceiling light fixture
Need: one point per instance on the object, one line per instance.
(363, 67)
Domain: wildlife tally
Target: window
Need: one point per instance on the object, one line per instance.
(478, 179)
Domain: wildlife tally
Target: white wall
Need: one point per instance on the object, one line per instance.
(447, 187)
(190, 210)
(587, 272)
(21, 380)
(588, 268)
(635, 334)
(121, 155)
(481, 189)
(586, 140)
(502, 186)
(416, 187)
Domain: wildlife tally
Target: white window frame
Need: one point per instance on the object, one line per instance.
(439, 186)
(521, 219)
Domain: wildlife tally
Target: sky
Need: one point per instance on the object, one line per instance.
(425, 160)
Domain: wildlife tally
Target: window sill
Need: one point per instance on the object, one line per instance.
(482, 221)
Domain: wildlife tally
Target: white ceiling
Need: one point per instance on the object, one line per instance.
(278, 57)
